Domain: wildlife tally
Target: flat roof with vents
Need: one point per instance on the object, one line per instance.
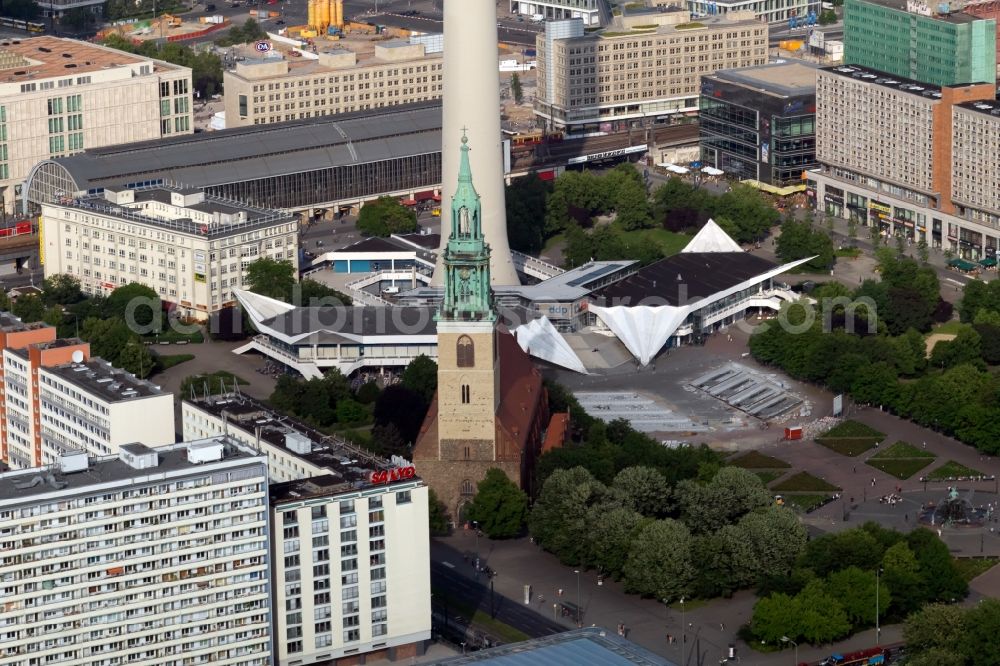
(51, 57)
(877, 77)
(989, 107)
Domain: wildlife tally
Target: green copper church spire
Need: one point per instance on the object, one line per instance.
(467, 293)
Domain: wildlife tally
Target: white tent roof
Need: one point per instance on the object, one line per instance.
(712, 171)
(540, 339)
(712, 238)
(261, 308)
(642, 329)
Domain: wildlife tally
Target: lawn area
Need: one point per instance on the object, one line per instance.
(170, 336)
(213, 382)
(757, 460)
(167, 361)
(805, 502)
(848, 252)
(970, 567)
(850, 438)
(805, 482)
(952, 327)
(670, 242)
(479, 618)
(558, 239)
(952, 470)
(902, 460)
(766, 476)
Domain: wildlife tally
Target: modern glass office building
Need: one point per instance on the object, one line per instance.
(920, 41)
(758, 123)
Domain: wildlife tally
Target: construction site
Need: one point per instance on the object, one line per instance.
(166, 28)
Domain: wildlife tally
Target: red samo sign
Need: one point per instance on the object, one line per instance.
(388, 476)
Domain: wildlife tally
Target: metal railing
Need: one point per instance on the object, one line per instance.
(534, 266)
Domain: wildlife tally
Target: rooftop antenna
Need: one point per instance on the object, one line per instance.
(205, 386)
(225, 423)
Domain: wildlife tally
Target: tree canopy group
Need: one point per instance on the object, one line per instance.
(800, 239)
(538, 210)
(941, 635)
(206, 67)
(276, 279)
(869, 342)
(830, 592)
(386, 216)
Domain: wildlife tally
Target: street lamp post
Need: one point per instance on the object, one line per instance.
(578, 606)
(475, 526)
(786, 639)
(493, 613)
(684, 636)
(878, 631)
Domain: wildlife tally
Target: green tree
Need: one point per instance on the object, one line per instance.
(748, 208)
(500, 507)
(982, 626)
(612, 530)
(78, 18)
(827, 16)
(799, 240)
(387, 441)
(935, 626)
(644, 490)
(923, 251)
(732, 493)
(525, 200)
(820, 616)
(351, 411)
(53, 316)
(437, 515)
(775, 617)
(558, 520)
(403, 408)
(765, 543)
(26, 10)
(421, 377)
(936, 657)
(61, 289)
(854, 589)
(516, 91)
(833, 552)
(137, 305)
(136, 358)
(367, 393)
(659, 562)
(386, 216)
(942, 579)
(29, 308)
(270, 277)
(904, 579)
(625, 187)
(852, 229)
(965, 347)
(312, 293)
(5, 304)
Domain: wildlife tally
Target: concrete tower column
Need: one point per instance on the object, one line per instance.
(472, 101)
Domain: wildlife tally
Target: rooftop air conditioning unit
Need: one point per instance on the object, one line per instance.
(73, 461)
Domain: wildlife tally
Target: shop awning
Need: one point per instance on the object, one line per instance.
(962, 265)
(712, 171)
(771, 189)
(988, 262)
(673, 168)
(408, 202)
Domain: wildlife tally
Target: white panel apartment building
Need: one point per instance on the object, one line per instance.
(156, 556)
(88, 406)
(352, 551)
(192, 249)
(61, 96)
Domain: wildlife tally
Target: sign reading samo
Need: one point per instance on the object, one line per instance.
(388, 476)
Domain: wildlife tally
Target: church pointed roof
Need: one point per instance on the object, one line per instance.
(712, 238)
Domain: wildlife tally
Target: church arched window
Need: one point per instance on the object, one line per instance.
(467, 488)
(465, 352)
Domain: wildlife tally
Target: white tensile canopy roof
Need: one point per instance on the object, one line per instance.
(539, 338)
(261, 308)
(712, 238)
(643, 329)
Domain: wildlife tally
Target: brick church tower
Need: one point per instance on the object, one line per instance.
(490, 408)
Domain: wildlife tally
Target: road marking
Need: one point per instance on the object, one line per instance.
(955, 281)
(449, 565)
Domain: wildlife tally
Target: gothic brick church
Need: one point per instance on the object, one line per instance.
(490, 409)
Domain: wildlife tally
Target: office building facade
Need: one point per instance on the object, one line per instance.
(906, 158)
(62, 96)
(341, 80)
(154, 556)
(55, 399)
(627, 77)
(588, 11)
(759, 123)
(190, 248)
(912, 39)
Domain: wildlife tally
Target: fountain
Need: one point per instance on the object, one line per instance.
(954, 511)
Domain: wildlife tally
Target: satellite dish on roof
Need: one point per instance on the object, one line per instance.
(77, 356)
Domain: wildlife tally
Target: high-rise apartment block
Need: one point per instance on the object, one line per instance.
(351, 545)
(55, 398)
(916, 40)
(646, 72)
(356, 76)
(909, 158)
(191, 248)
(154, 556)
(61, 96)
